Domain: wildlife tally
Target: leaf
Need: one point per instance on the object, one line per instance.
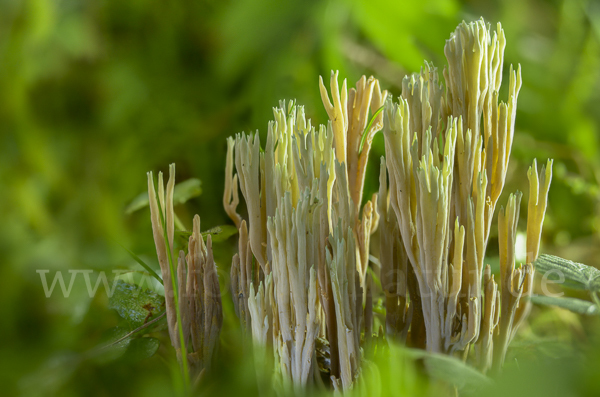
(135, 304)
(137, 203)
(142, 280)
(182, 193)
(573, 304)
(110, 351)
(154, 325)
(577, 275)
(51, 376)
(451, 370)
(538, 349)
(187, 190)
(141, 348)
(218, 233)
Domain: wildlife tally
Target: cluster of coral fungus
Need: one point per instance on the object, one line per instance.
(301, 281)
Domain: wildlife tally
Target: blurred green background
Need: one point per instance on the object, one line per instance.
(93, 94)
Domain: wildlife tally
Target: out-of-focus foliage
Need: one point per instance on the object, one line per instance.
(93, 94)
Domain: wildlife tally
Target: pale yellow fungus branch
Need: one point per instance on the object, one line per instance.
(295, 287)
(512, 279)
(241, 277)
(367, 96)
(538, 199)
(484, 348)
(394, 265)
(536, 209)
(347, 298)
(337, 112)
(231, 197)
(247, 162)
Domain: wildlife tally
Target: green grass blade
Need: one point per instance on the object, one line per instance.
(143, 264)
(366, 131)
